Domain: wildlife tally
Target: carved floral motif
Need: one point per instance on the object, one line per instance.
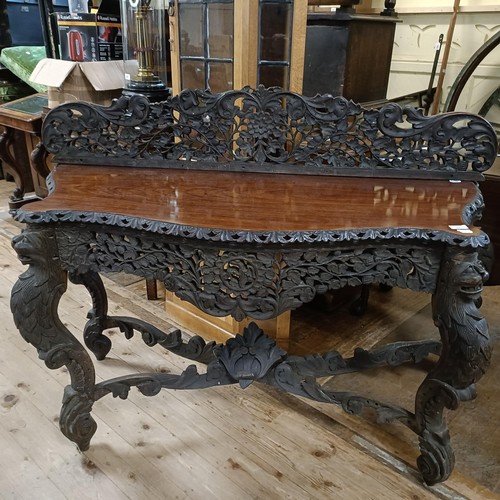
(257, 283)
(270, 129)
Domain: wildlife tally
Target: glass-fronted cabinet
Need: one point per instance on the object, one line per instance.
(275, 42)
(206, 35)
(225, 44)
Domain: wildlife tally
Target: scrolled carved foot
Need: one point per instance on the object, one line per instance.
(98, 321)
(464, 359)
(94, 339)
(437, 459)
(34, 303)
(76, 422)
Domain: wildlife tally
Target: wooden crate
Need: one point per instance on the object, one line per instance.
(220, 329)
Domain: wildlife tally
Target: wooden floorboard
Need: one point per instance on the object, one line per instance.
(225, 443)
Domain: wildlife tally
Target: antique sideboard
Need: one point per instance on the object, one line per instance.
(249, 203)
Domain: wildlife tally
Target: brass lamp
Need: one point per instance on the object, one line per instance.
(144, 48)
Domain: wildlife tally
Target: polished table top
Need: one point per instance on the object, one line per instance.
(262, 202)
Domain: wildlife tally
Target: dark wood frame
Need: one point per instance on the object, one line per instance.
(269, 266)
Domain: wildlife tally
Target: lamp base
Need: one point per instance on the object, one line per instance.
(154, 91)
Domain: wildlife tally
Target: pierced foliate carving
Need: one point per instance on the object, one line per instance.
(270, 129)
(261, 284)
(471, 212)
(255, 273)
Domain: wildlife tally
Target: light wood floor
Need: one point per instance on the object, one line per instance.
(227, 443)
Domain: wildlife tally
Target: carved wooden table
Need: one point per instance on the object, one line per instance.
(249, 203)
(22, 120)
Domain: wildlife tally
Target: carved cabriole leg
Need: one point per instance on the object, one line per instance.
(34, 302)
(195, 348)
(98, 343)
(466, 351)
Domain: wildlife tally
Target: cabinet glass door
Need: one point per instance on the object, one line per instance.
(206, 44)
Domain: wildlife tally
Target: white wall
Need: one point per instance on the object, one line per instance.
(405, 6)
(414, 49)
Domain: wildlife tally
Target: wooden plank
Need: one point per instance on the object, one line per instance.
(139, 478)
(20, 476)
(39, 440)
(173, 26)
(220, 329)
(246, 14)
(298, 48)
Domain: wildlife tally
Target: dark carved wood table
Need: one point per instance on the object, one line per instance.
(250, 203)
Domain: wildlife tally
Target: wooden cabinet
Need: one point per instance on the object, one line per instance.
(490, 222)
(226, 44)
(348, 54)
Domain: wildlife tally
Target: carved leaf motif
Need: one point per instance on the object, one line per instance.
(260, 283)
(271, 127)
(250, 356)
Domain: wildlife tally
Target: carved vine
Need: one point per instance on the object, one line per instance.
(471, 213)
(273, 128)
(257, 283)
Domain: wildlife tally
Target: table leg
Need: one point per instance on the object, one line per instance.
(39, 164)
(39, 159)
(99, 321)
(16, 164)
(34, 302)
(466, 351)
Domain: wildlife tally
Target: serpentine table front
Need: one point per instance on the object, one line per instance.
(250, 203)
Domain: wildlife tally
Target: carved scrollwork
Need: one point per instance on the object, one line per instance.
(247, 357)
(471, 212)
(293, 380)
(269, 129)
(257, 283)
(84, 125)
(299, 374)
(150, 384)
(98, 319)
(465, 357)
(250, 356)
(194, 348)
(75, 421)
(34, 301)
(437, 459)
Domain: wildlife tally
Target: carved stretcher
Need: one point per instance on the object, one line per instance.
(250, 203)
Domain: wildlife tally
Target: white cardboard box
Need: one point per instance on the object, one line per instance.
(98, 82)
